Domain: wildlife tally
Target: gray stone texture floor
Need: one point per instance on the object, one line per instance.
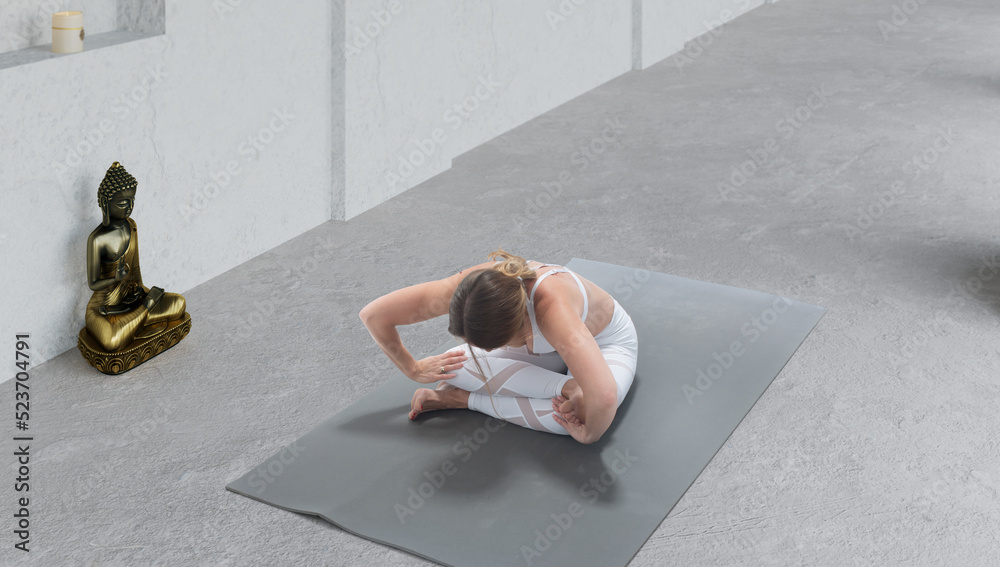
(876, 445)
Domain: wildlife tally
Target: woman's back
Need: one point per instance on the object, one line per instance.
(590, 302)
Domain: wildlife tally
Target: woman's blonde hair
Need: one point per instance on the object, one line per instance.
(488, 307)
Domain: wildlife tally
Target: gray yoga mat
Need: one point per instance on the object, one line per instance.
(458, 488)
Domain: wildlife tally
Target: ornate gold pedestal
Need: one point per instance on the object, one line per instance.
(151, 343)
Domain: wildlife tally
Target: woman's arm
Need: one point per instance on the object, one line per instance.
(406, 306)
(560, 323)
(388, 340)
(403, 307)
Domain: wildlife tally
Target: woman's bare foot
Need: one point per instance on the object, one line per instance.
(571, 388)
(567, 408)
(568, 403)
(445, 396)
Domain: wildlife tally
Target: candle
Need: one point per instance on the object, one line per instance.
(67, 32)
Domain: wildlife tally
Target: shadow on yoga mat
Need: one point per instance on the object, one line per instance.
(463, 489)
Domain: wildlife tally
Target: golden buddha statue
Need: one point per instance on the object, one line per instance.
(126, 322)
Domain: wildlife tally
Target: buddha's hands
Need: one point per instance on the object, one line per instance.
(122, 272)
(113, 310)
(429, 369)
(153, 297)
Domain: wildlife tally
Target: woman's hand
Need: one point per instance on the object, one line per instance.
(429, 370)
(569, 419)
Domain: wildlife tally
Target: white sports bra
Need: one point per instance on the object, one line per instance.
(541, 345)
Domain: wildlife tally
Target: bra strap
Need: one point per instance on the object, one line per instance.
(583, 291)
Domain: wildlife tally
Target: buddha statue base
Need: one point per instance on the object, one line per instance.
(145, 346)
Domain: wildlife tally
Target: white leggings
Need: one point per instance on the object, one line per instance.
(523, 383)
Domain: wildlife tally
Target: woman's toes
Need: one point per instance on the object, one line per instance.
(420, 398)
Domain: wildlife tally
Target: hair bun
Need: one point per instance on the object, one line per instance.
(511, 265)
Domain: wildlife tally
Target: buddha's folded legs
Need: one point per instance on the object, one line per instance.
(170, 307)
(114, 332)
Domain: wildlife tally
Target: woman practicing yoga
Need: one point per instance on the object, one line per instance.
(561, 356)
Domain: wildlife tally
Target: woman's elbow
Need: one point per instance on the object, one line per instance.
(603, 410)
(366, 313)
(593, 436)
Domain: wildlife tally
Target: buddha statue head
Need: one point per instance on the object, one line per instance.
(116, 195)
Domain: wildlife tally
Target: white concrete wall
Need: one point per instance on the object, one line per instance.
(666, 25)
(27, 23)
(338, 107)
(24, 23)
(410, 63)
(502, 63)
(175, 110)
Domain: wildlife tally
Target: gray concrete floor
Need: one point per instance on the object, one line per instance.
(876, 445)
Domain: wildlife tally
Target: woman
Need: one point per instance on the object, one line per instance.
(528, 334)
